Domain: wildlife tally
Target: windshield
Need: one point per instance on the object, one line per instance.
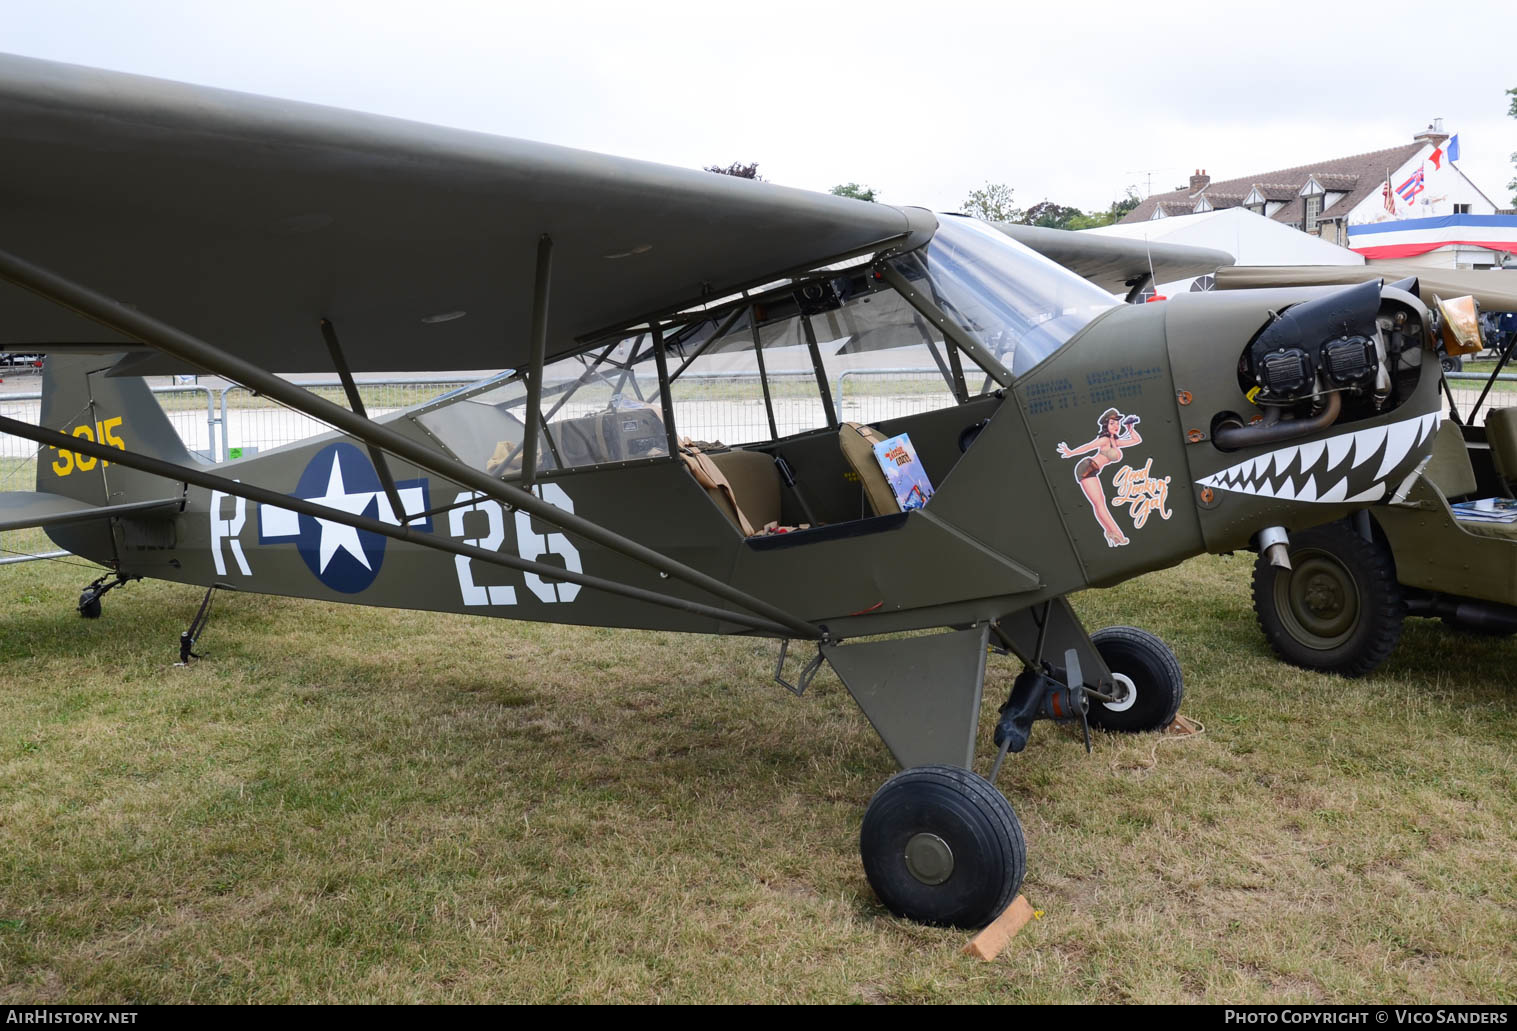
(1018, 304)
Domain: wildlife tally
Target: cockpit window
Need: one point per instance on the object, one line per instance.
(842, 346)
(597, 408)
(1018, 304)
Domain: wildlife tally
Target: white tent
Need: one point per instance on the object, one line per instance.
(1251, 239)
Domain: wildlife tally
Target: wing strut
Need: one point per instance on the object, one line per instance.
(381, 465)
(264, 496)
(539, 346)
(190, 349)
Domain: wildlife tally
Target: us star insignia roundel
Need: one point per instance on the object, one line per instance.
(342, 557)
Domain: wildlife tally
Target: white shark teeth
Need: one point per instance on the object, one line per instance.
(1398, 441)
(1266, 475)
(1367, 443)
(1334, 494)
(1284, 456)
(1337, 447)
(1311, 452)
(1429, 425)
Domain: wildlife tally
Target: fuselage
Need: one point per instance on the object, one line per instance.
(1096, 463)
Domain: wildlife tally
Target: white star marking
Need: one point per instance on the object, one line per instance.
(336, 537)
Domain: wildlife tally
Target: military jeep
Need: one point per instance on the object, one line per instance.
(1440, 548)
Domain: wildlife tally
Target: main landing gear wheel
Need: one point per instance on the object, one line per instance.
(1450, 362)
(1338, 609)
(942, 846)
(1148, 670)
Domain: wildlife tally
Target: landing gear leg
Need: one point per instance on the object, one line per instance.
(1042, 637)
(939, 843)
(1118, 679)
(197, 627)
(89, 598)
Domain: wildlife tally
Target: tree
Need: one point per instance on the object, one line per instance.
(853, 190)
(992, 202)
(738, 169)
(1113, 214)
(1049, 215)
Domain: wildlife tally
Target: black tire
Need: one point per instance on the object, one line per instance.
(1338, 609)
(1450, 362)
(89, 605)
(933, 822)
(1145, 664)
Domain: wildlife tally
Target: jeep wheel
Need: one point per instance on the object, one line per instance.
(1338, 609)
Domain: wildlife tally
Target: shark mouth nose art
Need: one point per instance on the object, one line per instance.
(1347, 467)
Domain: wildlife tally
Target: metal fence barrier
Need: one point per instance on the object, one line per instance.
(250, 423)
(233, 422)
(1466, 388)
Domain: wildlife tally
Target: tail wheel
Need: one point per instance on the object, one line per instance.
(1338, 609)
(942, 846)
(1143, 665)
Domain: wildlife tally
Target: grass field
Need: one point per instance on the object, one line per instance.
(344, 804)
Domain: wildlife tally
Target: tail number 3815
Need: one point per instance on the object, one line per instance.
(103, 432)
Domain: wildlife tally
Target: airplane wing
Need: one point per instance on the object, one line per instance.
(244, 220)
(20, 509)
(1113, 263)
(1493, 289)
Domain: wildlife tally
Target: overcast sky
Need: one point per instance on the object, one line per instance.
(1071, 101)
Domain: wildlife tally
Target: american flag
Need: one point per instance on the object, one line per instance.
(1413, 186)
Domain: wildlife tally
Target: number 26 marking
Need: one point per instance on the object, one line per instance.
(530, 545)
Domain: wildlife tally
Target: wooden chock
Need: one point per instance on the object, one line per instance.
(987, 945)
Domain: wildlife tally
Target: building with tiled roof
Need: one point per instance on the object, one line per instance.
(1413, 181)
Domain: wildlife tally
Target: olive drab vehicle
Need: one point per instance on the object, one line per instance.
(1443, 548)
(1072, 441)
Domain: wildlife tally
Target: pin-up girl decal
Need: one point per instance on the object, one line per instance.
(1114, 431)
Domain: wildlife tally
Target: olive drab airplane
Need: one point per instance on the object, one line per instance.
(666, 451)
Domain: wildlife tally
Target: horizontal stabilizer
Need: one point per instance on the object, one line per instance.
(25, 508)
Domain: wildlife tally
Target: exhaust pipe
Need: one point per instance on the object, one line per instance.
(1274, 544)
(1233, 437)
(1482, 616)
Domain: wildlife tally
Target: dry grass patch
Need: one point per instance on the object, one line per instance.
(351, 804)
